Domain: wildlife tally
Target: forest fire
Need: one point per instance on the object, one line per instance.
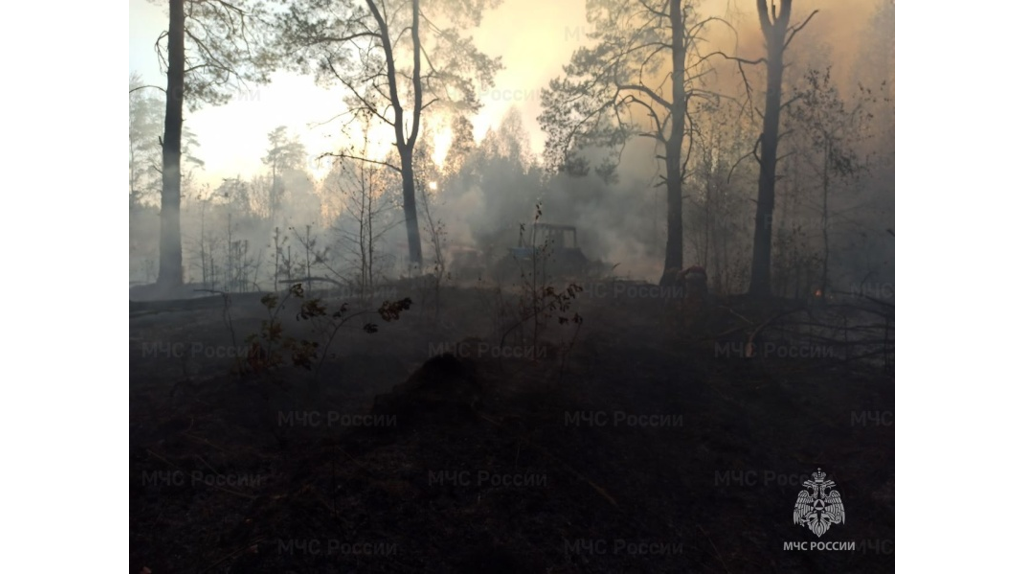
(456, 351)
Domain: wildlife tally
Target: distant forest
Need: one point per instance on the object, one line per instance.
(666, 146)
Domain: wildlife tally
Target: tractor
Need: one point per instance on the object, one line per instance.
(467, 263)
(553, 252)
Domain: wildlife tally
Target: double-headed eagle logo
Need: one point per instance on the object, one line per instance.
(820, 507)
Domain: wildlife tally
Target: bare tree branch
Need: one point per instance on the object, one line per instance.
(792, 33)
(130, 90)
(343, 155)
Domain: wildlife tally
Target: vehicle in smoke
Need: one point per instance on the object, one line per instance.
(550, 250)
(467, 263)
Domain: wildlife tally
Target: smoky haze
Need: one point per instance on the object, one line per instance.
(620, 301)
(500, 178)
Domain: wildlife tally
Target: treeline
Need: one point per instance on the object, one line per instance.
(655, 151)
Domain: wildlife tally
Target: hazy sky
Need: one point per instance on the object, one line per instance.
(534, 37)
(233, 137)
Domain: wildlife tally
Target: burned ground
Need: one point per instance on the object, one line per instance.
(630, 442)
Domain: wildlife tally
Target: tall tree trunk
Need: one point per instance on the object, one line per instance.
(674, 146)
(170, 198)
(775, 41)
(824, 219)
(406, 145)
(369, 250)
(674, 186)
(707, 214)
(412, 226)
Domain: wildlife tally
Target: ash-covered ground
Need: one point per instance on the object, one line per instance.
(612, 429)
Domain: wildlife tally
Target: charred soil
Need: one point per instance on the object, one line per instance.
(635, 444)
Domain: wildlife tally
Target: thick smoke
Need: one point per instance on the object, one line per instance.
(483, 191)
